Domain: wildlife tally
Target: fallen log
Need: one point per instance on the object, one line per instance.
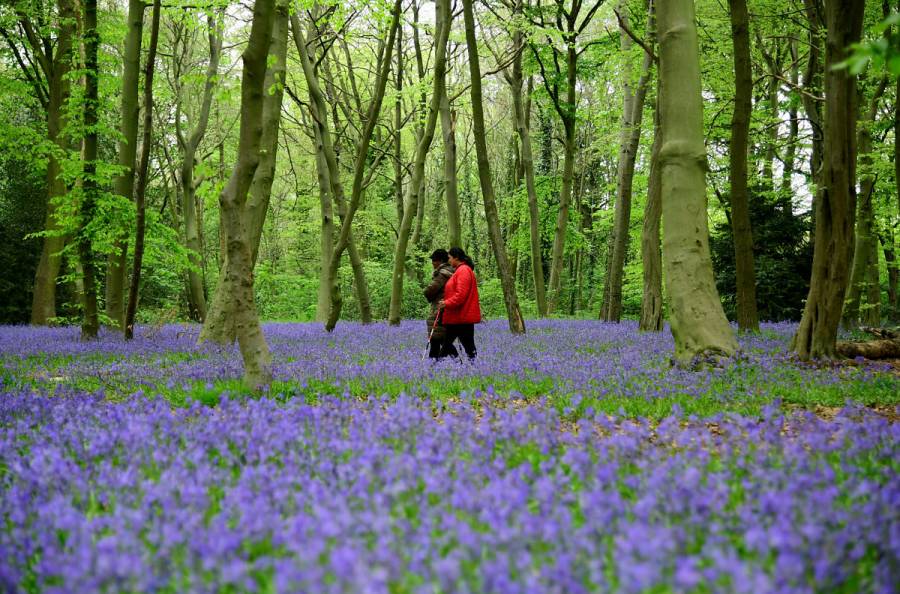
(870, 349)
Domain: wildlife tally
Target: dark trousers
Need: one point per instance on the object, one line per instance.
(466, 335)
(434, 349)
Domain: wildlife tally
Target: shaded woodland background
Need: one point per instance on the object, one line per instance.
(589, 215)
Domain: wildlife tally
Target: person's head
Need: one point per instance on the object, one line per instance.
(438, 257)
(458, 256)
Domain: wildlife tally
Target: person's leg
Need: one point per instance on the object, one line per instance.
(467, 339)
(451, 332)
(434, 347)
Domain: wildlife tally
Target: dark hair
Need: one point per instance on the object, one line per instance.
(460, 254)
(439, 255)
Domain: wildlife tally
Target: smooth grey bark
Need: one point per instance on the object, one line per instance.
(747, 316)
(117, 262)
(651, 258)
(54, 67)
(451, 191)
(89, 188)
(629, 141)
(188, 146)
(237, 271)
(412, 205)
(816, 337)
(507, 281)
(326, 237)
(812, 86)
(398, 129)
(698, 321)
(142, 171)
(221, 325)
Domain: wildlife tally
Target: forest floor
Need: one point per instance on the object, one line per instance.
(574, 459)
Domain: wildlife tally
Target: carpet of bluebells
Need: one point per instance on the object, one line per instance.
(575, 459)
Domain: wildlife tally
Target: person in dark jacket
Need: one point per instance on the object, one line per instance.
(461, 307)
(434, 292)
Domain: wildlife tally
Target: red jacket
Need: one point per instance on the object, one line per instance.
(461, 298)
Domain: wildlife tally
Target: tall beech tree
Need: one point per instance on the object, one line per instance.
(46, 61)
(629, 141)
(560, 82)
(142, 172)
(523, 129)
(221, 324)
(514, 314)
(124, 185)
(188, 144)
(651, 259)
(413, 202)
(836, 199)
(90, 189)
(237, 273)
(698, 321)
(359, 168)
(747, 318)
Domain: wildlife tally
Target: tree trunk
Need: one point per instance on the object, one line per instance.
(238, 267)
(195, 287)
(652, 302)
(836, 201)
(698, 322)
(812, 85)
(866, 244)
(398, 130)
(91, 323)
(451, 191)
(220, 324)
(514, 314)
(362, 148)
(43, 304)
(523, 128)
(873, 349)
(140, 191)
(117, 262)
(413, 203)
(890, 259)
(327, 232)
(629, 141)
(747, 317)
(787, 191)
(565, 194)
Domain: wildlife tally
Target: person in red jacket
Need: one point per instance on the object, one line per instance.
(461, 308)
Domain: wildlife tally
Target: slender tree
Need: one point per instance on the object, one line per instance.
(698, 322)
(560, 82)
(836, 200)
(127, 149)
(651, 259)
(143, 168)
(747, 317)
(629, 141)
(89, 186)
(189, 143)
(514, 314)
(515, 78)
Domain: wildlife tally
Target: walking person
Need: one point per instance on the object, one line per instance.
(434, 292)
(461, 307)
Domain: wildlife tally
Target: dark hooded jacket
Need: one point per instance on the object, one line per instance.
(434, 292)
